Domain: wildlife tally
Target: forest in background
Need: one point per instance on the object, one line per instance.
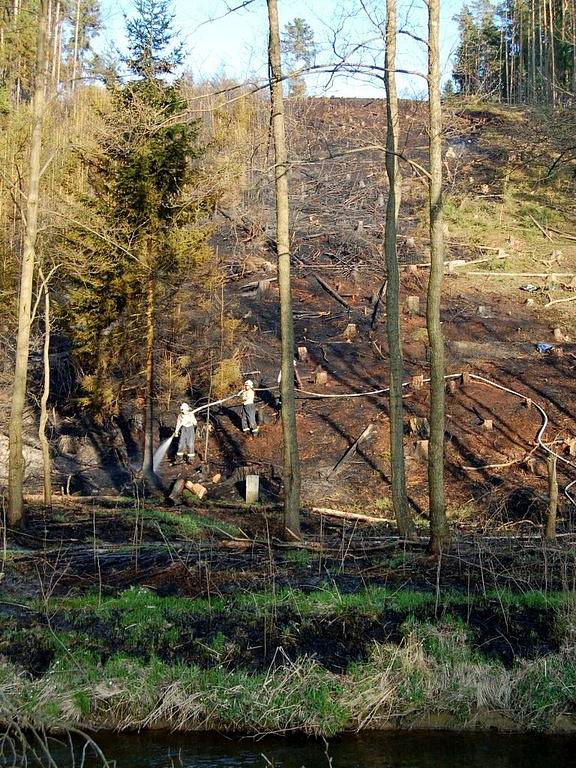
(129, 170)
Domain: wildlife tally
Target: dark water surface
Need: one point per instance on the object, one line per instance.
(369, 750)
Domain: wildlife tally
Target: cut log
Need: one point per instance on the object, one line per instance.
(196, 488)
(320, 377)
(487, 424)
(257, 285)
(340, 464)
(216, 478)
(350, 515)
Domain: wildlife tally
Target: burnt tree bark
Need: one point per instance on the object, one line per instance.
(406, 526)
(30, 217)
(439, 531)
(291, 460)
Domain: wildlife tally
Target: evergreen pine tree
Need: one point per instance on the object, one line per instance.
(146, 231)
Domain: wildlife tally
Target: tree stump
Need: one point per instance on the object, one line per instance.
(417, 382)
(177, 489)
(350, 332)
(252, 488)
(419, 426)
(422, 450)
(413, 305)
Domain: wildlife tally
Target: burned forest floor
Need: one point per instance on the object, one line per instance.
(123, 612)
(202, 618)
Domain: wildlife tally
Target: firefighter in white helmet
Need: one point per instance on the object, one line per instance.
(248, 408)
(186, 429)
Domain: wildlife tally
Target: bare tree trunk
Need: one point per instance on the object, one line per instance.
(148, 459)
(16, 458)
(552, 55)
(550, 530)
(291, 461)
(406, 526)
(75, 49)
(438, 524)
(56, 31)
(46, 462)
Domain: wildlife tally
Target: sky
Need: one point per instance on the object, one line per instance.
(233, 45)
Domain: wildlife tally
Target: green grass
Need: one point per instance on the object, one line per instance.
(433, 670)
(185, 525)
(301, 557)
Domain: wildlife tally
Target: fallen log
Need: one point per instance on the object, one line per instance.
(566, 235)
(351, 451)
(332, 292)
(540, 227)
(463, 262)
(350, 515)
(254, 285)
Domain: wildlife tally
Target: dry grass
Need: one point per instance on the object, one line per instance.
(431, 673)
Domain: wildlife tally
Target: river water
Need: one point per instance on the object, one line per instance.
(369, 750)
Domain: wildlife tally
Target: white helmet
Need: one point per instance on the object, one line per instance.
(184, 407)
(249, 384)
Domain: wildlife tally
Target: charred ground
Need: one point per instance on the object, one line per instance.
(211, 584)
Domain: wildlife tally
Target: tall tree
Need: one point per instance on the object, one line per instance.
(153, 48)
(154, 177)
(30, 218)
(290, 440)
(299, 50)
(399, 498)
(438, 522)
(137, 234)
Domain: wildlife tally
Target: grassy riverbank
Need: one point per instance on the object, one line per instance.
(127, 662)
(123, 619)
